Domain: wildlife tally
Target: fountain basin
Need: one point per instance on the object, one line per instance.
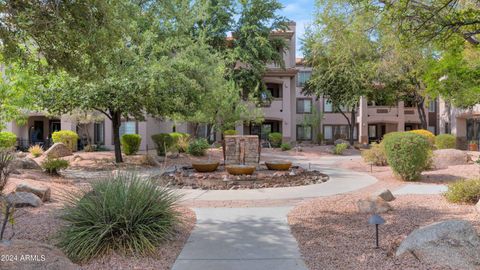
(278, 165)
(240, 169)
(205, 166)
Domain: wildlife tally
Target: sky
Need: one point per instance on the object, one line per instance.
(300, 11)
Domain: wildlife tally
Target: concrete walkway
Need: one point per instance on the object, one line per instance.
(241, 239)
(341, 181)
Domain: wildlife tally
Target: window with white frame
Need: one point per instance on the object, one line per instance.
(303, 77)
(431, 106)
(304, 133)
(128, 127)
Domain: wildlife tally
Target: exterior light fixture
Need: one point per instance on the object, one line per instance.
(376, 220)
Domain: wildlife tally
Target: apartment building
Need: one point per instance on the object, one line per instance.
(463, 123)
(298, 117)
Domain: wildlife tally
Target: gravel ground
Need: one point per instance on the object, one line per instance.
(40, 224)
(333, 235)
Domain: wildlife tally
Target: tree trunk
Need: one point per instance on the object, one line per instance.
(421, 112)
(350, 121)
(116, 123)
(352, 125)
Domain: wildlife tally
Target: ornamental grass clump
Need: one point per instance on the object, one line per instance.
(375, 155)
(464, 191)
(124, 213)
(35, 150)
(408, 154)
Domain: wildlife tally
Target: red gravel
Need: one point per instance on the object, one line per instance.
(333, 235)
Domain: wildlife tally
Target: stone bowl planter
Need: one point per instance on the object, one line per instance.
(205, 166)
(240, 169)
(278, 165)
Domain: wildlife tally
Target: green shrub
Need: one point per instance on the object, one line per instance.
(198, 147)
(285, 146)
(180, 141)
(275, 139)
(426, 134)
(375, 155)
(130, 143)
(125, 213)
(464, 191)
(408, 154)
(229, 132)
(445, 141)
(320, 138)
(163, 141)
(53, 165)
(340, 148)
(7, 139)
(67, 137)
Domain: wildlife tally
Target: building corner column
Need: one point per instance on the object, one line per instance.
(401, 116)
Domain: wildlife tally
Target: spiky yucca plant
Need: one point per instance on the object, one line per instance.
(124, 213)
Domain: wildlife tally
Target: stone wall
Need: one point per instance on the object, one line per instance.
(238, 146)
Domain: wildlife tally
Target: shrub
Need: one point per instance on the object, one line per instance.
(426, 134)
(407, 153)
(340, 148)
(67, 137)
(375, 155)
(6, 158)
(163, 141)
(180, 141)
(35, 150)
(7, 139)
(124, 213)
(130, 143)
(54, 165)
(445, 141)
(285, 146)
(198, 147)
(275, 139)
(229, 132)
(320, 138)
(464, 191)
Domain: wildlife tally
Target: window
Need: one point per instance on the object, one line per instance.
(275, 89)
(335, 132)
(431, 106)
(328, 107)
(304, 105)
(128, 127)
(99, 133)
(303, 77)
(304, 133)
(372, 131)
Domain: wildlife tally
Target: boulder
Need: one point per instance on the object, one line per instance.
(373, 206)
(385, 195)
(452, 244)
(339, 141)
(58, 150)
(448, 157)
(33, 256)
(43, 193)
(24, 163)
(24, 199)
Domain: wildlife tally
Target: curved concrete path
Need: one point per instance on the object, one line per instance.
(258, 238)
(341, 181)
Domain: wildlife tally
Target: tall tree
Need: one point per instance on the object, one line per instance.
(341, 54)
(124, 59)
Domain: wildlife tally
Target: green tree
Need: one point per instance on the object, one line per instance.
(124, 59)
(341, 54)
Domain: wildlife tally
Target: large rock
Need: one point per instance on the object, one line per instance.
(24, 199)
(43, 193)
(58, 150)
(339, 141)
(373, 206)
(24, 163)
(385, 195)
(449, 157)
(29, 255)
(453, 244)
